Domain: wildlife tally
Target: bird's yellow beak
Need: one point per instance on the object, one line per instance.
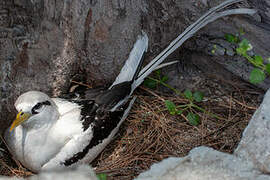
(20, 118)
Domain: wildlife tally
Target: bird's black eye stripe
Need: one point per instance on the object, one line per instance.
(46, 103)
(39, 105)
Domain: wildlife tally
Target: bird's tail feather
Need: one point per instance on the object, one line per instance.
(132, 65)
(208, 17)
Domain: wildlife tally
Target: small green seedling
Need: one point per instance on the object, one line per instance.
(172, 108)
(102, 176)
(198, 96)
(261, 67)
(188, 95)
(153, 83)
(232, 38)
(193, 119)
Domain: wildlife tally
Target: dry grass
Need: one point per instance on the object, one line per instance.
(9, 167)
(151, 134)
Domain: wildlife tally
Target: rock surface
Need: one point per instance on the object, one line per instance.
(203, 163)
(255, 144)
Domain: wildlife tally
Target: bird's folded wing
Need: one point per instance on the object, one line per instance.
(86, 146)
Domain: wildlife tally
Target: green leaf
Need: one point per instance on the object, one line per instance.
(241, 51)
(164, 78)
(267, 68)
(102, 176)
(150, 83)
(198, 96)
(231, 38)
(170, 107)
(193, 119)
(179, 112)
(245, 45)
(158, 72)
(188, 94)
(258, 59)
(256, 76)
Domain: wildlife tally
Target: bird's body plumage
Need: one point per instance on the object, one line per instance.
(64, 140)
(53, 132)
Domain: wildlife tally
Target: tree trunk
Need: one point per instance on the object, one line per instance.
(44, 43)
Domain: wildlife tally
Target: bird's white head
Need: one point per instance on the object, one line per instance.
(35, 109)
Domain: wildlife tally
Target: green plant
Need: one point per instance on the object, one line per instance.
(102, 176)
(261, 67)
(172, 108)
(151, 83)
(193, 118)
(187, 110)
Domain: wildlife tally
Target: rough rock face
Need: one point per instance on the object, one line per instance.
(249, 161)
(44, 43)
(203, 163)
(255, 145)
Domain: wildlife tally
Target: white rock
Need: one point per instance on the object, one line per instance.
(255, 143)
(203, 163)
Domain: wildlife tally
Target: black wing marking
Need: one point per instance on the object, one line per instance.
(97, 114)
(102, 128)
(108, 99)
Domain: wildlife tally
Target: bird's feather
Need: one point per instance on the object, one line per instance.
(84, 148)
(131, 66)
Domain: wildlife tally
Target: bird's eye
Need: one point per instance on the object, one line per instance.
(36, 107)
(39, 105)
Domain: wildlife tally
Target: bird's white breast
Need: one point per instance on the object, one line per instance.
(33, 148)
(36, 147)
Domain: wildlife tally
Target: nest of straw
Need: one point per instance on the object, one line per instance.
(151, 134)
